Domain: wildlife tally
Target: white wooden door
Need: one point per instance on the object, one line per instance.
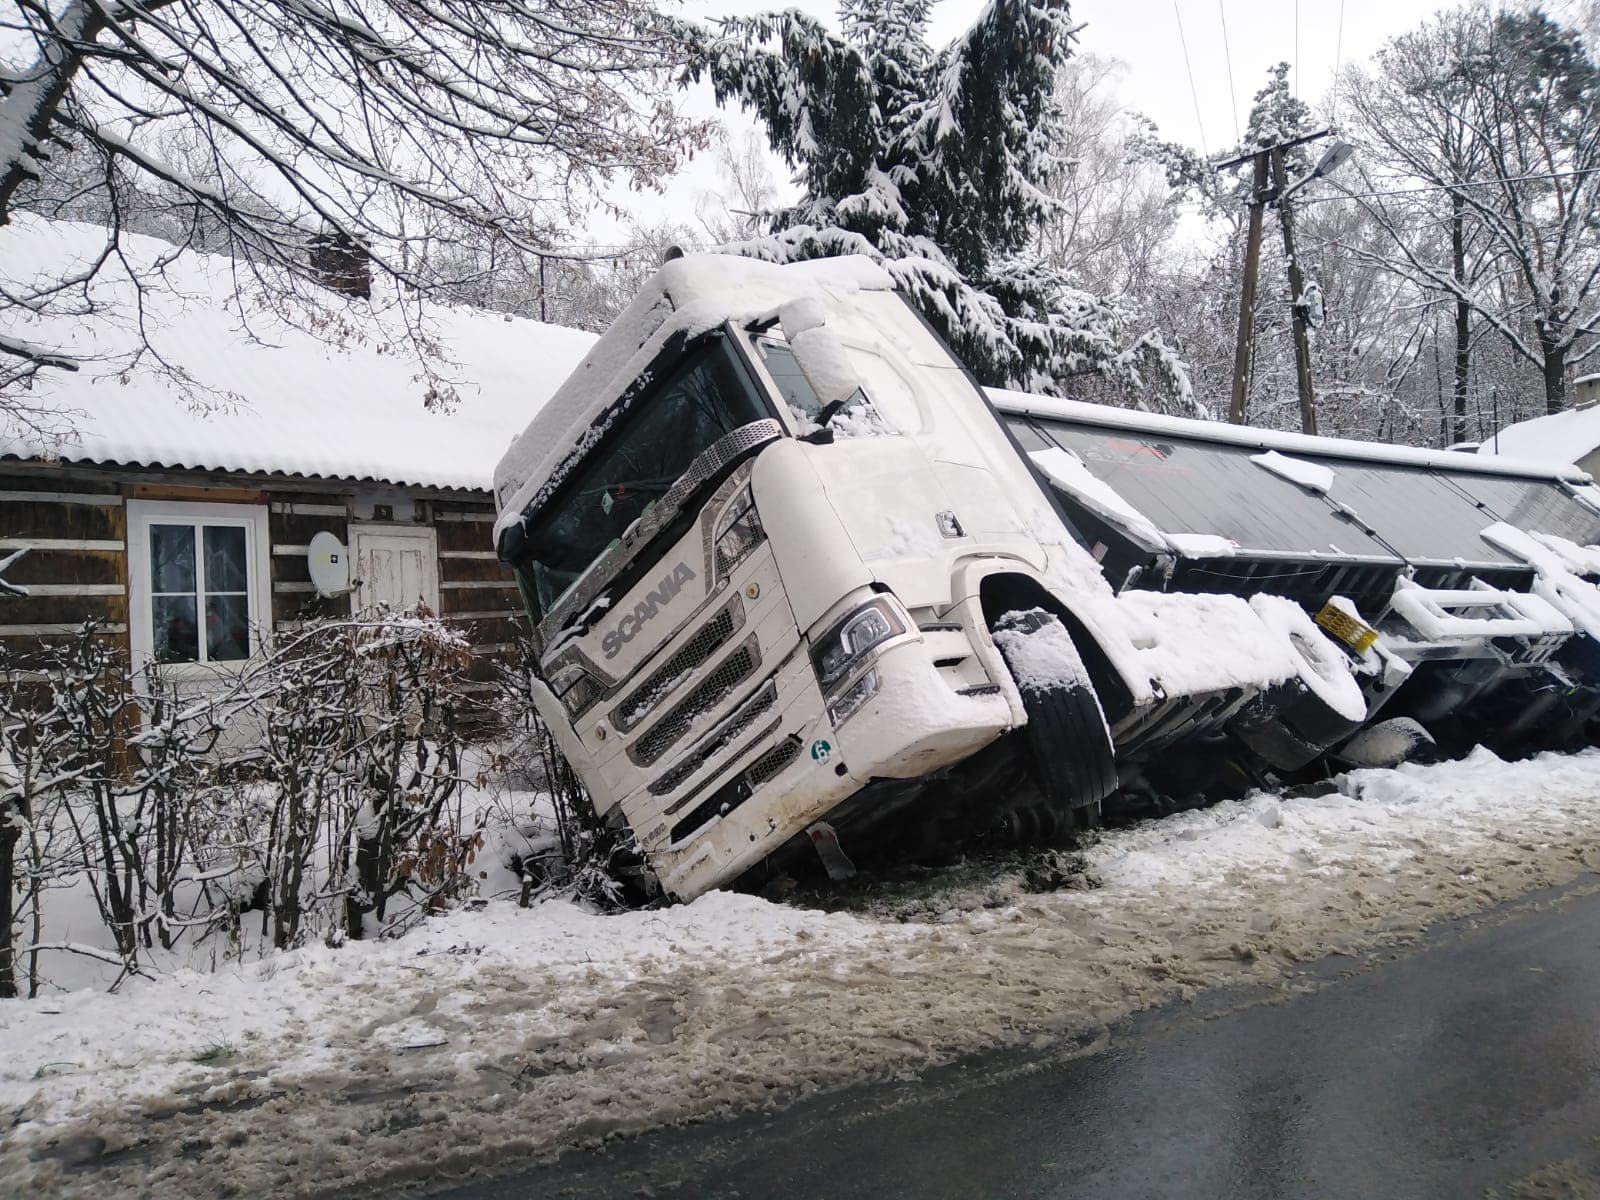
(395, 565)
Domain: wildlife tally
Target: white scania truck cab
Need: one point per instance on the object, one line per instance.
(790, 575)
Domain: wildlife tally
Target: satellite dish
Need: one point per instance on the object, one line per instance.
(329, 563)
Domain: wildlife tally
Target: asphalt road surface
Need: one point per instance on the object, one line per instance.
(1466, 1066)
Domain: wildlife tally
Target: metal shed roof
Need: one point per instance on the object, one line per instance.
(1426, 508)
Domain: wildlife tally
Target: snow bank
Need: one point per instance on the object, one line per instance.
(260, 395)
(488, 1036)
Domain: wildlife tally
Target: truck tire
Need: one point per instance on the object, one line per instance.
(1388, 744)
(1290, 726)
(1069, 742)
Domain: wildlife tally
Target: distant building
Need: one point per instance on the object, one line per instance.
(179, 506)
(1586, 389)
(1572, 436)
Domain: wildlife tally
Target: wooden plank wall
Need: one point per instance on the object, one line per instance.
(293, 519)
(475, 591)
(77, 565)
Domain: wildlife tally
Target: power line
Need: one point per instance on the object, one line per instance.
(1227, 57)
(1189, 67)
(1451, 187)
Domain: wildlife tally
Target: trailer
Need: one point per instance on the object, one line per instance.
(1458, 585)
(800, 587)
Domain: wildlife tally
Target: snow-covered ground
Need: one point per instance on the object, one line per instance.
(494, 1034)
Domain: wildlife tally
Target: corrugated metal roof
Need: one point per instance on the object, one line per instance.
(252, 393)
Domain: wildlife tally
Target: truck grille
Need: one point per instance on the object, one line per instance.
(773, 763)
(705, 696)
(690, 657)
(738, 789)
(731, 727)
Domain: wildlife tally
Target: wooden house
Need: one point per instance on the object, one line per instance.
(175, 489)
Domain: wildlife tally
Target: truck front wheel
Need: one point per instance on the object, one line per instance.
(1073, 761)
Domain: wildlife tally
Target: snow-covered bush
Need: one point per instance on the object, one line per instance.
(360, 754)
(321, 786)
(586, 858)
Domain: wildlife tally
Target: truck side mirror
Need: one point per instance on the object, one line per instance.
(822, 358)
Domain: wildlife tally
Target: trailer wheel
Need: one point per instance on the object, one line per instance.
(1388, 744)
(1069, 742)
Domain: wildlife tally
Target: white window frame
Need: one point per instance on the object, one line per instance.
(252, 518)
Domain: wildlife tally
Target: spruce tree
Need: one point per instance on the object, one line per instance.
(930, 162)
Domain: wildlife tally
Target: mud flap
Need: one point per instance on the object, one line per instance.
(834, 860)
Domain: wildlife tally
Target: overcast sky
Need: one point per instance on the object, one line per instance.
(1144, 35)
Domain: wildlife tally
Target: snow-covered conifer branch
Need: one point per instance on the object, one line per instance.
(935, 163)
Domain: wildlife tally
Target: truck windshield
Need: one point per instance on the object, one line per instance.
(643, 455)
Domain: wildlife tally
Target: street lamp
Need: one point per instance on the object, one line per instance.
(1334, 157)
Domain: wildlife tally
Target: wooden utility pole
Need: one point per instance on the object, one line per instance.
(1247, 294)
(1302, 339)
(1265, 159)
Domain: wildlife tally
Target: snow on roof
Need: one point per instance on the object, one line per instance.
(1562, 437)
(1288, 443)
(686, 297)
(1313, 476)
(272, 398)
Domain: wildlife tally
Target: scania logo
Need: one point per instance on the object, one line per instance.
(663, 593)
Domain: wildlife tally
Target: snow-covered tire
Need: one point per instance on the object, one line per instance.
(1324, 668)
(1388, 744)
(1291, 726)
(1069, 742)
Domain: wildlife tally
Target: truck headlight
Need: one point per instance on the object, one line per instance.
(853, 697)
(738, 531)
(852, 639)
(576, 688)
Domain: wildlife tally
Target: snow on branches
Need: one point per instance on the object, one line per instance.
(275, 129)
(931, 162)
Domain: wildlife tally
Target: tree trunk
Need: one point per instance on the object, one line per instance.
(1247, 296)
(10, 835)
(31, 106)
(1555, 372)
(1458, 264)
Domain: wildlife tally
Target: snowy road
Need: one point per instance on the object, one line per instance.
(502, 1034)
(1461, 1066)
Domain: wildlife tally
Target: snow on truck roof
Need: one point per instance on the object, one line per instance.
(1284, 442)
(272, 399)
(686, 297)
